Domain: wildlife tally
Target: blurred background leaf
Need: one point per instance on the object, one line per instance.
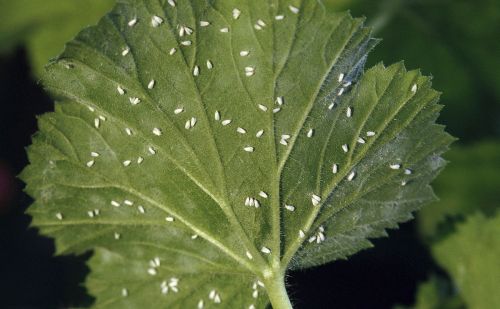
(436, 293)
(44, 26)
(471, 257)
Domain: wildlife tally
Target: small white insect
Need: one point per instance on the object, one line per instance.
(255, 294)
(134, 100)
(262, 107)
(341, 91)
(302, 234)
(224, 30)
(117, 236)
(249, 149)
(151, 84)
(217, 115)
(102, 117)
(59, 216)
(370, 133)
(90, 163)
(201, 304)
(257, 27)
(414, 88)
(172, 51)
(259, 133)
(169, 219)
(351, 176)
(90, 214)
(126, 163)
(152, 150)
(128, 202)
(249, 71)
(284, 139)
(94, 154)
(265, 250)
(249, 255)
(331, 106)
(186, 43)
(263, 194)
(132, 22)
(276, 110)
(310, 133)
(184, 30)
(236, 13)
(156, 21)
(97, 123)
(128, 131)
(345, 148)
(196, 70)
(141, 209)
(226, 122)
(157, 131)
(293, 9)
(348, 112)
(140, 160)
(261, 23)
(120, 90)
(244, 53)
(341, 77)
(115, 203)
(210, 65)
(193, 121)
(204, 23)
(217, 299)
(124, 292)
(279, 17)
(152, 271)
(335, 168)
(408, 171)
(91, 109)
(178, 110)
(395, 166)
(172, 3)
(241, 130)
(315, 199)
(289, 207)
(361, 140)
(279, 101)
(125, 51)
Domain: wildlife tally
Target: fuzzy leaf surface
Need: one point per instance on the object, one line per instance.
(155, 123)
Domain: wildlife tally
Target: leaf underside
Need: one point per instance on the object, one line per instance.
(198, 163)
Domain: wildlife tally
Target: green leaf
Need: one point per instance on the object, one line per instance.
(470, 256)
(44, 26)
(463, 190)
(155, 123)
(425, 32)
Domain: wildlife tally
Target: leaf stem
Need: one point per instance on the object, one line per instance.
(276, 291)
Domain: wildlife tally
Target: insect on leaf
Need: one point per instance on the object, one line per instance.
(204, 148)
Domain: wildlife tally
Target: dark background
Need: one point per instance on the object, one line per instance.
(433, 36)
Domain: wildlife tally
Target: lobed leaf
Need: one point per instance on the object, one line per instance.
(194, 143)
